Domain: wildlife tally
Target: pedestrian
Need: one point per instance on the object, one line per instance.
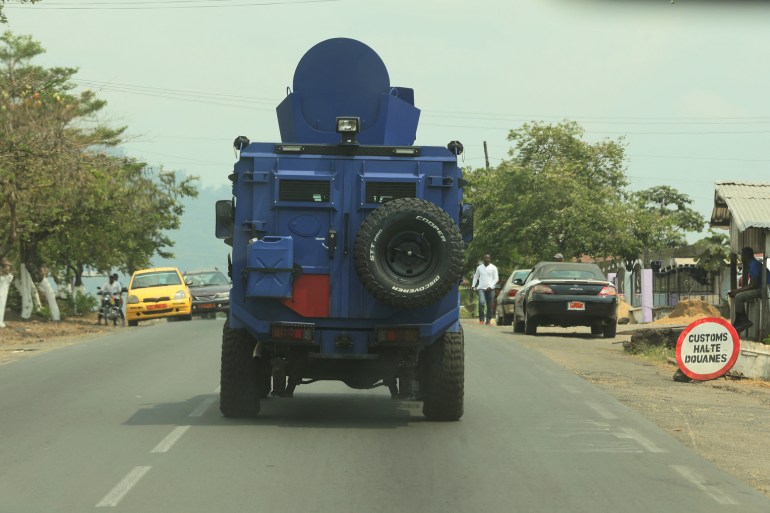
(484, 281)
(558, 257)
(749, 291)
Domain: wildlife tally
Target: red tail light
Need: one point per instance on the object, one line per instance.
(512, 292)
(542, 289)
(608, 291)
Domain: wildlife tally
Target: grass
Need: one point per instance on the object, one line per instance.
(657, 354)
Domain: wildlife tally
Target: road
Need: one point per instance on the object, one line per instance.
(130, 422)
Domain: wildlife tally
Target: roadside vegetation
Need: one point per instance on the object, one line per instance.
(558, 193)
(70, 200)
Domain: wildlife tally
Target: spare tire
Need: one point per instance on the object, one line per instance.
(408, 253)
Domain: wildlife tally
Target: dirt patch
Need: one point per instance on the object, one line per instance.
(22, 338)
(688, 311)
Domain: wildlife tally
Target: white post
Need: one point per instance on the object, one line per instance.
(647, 301)
(5, 284)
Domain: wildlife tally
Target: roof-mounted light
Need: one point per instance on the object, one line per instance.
(348, 128)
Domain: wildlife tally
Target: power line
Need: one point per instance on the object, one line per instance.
(189, 4)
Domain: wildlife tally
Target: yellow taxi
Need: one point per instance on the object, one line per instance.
(157, 293)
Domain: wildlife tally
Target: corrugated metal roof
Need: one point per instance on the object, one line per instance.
(746, 203)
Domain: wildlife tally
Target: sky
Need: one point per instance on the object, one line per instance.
(685, 83)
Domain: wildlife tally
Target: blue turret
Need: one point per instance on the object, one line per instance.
(344, 77)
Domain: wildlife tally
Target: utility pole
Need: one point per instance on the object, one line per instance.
(486, 155)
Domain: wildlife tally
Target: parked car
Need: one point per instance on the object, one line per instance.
(210, 291)
(158, 293)
(566, 294)
(504, 309)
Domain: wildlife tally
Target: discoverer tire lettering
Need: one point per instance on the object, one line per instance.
(408, 253)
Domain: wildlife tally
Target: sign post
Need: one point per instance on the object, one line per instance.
(707, 348)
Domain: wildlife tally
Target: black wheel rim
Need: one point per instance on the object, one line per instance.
(408, 254)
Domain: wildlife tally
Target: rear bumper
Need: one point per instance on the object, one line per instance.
(206, 307)
(555, 311)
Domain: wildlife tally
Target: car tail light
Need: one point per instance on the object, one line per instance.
(512, 292)
(608, 291)
(542, 289)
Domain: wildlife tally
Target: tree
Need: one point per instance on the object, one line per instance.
(66, 202)
(43, 135)
(556, 194)
(3, 18)
(657, 217)
(713, 253)
(121, 217)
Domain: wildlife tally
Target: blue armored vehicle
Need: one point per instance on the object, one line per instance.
(347, 245)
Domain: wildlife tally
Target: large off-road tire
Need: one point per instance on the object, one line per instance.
(442, 377)
(240, 380)
(518, 326)
(408, 253)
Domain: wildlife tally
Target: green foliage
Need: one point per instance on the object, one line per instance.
(656, 218)
(560, 194)
(713, 251)
(557, 194)
(76, 305)
(3, 18)
(67, 204)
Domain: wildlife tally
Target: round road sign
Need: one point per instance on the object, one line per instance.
(707, 348)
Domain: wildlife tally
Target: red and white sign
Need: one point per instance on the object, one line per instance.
(707, 348)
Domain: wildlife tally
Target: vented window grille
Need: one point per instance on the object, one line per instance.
(309, 191)
(382, 192)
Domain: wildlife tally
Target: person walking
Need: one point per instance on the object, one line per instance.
(747, 291)
(484, 281)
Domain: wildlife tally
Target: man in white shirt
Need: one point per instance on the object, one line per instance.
(484, 281)
(113, 288)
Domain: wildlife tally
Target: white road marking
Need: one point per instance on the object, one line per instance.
(171, 439)
(637, 437)
(709, 489)
(601, 410)
(202, 407)
(122, 488)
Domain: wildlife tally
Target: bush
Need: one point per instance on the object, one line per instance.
(78, 305)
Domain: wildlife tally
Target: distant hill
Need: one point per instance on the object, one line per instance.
(195, 246)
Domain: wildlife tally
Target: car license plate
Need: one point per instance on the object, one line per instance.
(159, 306)
(576, 305)
(206, 306)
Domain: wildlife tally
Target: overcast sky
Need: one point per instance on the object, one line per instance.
(686, 83)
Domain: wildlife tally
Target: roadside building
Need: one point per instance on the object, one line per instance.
(743, 208)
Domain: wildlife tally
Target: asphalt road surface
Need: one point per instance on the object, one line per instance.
(130, 422)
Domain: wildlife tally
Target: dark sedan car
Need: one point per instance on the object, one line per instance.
(210, 290)
(566, 294)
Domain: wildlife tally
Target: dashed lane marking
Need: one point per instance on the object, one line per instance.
(123, 487)
(202, 407)
(171, 439)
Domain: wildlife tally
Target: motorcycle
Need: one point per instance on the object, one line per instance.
(110, 308)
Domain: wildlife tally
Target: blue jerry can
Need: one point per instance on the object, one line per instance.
(269, 265)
